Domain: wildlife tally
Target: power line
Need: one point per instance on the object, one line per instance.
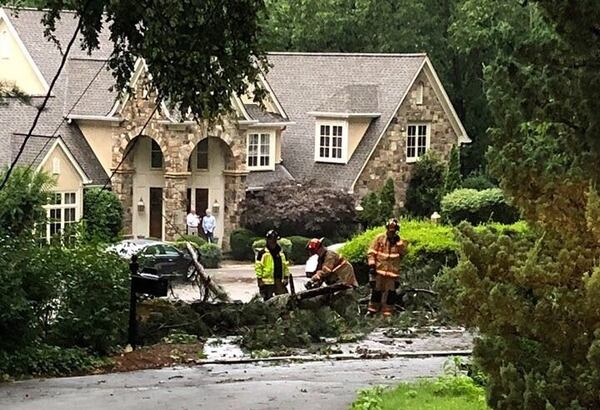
(43, 106)
(69, 113)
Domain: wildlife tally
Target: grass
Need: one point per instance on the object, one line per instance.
(445, 393)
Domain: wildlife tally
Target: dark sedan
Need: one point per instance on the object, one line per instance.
(157, 257)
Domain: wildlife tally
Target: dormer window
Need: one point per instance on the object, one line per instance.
(331, 141)
(261, 151)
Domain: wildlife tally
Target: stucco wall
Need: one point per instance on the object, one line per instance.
(99, 136)
(389, 157)
(356, 130)
(16, 69)
(68, 179)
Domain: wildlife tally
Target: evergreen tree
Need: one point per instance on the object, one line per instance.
(387, 200)
(426, 186)
(453, 179)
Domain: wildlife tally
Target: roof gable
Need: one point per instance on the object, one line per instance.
(19, 67)
(306, 83)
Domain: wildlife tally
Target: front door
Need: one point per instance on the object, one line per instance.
(156, 206)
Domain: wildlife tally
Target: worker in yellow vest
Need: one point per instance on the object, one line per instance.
(384, 257)
(271, 268)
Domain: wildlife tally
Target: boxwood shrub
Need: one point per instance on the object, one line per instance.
(210, 255)
(286, 246)
(240, 242)
(476, 207)
(298, 253)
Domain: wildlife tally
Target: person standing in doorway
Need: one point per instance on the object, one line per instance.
(192, 221)
(209, 223)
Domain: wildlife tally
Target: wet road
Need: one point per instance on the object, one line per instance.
(298, 386)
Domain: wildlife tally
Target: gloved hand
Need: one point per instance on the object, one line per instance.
(372, 271)
(260, 282)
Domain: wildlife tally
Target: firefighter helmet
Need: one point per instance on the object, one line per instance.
(314, 244)
(393, 223)
(272, 234)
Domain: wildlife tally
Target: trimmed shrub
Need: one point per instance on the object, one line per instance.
(103, 214)
(478, 182)
(477, 207)
(286, 246)
(426, 186)
(378, 207)
(298, 254)
(307, 209)
(240, 242)
(193, 239)
(210, 255)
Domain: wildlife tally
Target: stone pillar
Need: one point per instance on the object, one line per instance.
(122, 186)
(174, 202)
(235, 192)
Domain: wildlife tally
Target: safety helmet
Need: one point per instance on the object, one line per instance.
(272, 234)
(393, 223)
(314, 244)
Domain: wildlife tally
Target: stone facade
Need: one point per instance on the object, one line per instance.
(177, 141)
(389, 158)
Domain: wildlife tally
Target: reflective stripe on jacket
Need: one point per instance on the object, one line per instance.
(334, 269)
(386, 257)
(264, 266)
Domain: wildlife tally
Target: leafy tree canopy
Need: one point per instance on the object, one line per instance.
(198, 52)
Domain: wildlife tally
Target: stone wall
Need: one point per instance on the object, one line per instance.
(389, 158)
(177, 141)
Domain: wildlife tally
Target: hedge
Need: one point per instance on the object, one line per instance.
(286, 246)
(210, 255)
(240, 242)
(477, 207)
(299, 253)
(431, 248)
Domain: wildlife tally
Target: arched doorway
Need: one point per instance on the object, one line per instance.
(144, 167)
(206, 182)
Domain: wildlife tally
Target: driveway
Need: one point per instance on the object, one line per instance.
(239, 281)
(299, 386)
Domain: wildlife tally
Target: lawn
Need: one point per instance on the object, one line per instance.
(445, 393)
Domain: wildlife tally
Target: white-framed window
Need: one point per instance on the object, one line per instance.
(62, 212)
(331, 141)
(417, 141)
(4, 45)
(261, 150)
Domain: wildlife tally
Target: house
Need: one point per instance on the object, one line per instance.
(350, 120)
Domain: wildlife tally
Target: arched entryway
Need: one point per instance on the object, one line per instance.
(206, 181)
(140, 184)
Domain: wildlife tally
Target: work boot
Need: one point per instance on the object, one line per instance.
(373, 308)
(387, 311)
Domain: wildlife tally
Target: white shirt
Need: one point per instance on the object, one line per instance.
(192, 220)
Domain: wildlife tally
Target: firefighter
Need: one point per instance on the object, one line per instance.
(332, 268)
(384, 256)
(271, 268)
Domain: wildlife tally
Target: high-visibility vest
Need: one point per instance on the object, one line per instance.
(264, 266)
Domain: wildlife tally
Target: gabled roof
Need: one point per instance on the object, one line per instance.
(309, 82)
(16, 118)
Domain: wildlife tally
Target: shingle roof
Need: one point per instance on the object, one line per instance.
(36, 149)
(354, 98)
(259, 179)
(16, 118)
(261, 115)
(308, 82)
